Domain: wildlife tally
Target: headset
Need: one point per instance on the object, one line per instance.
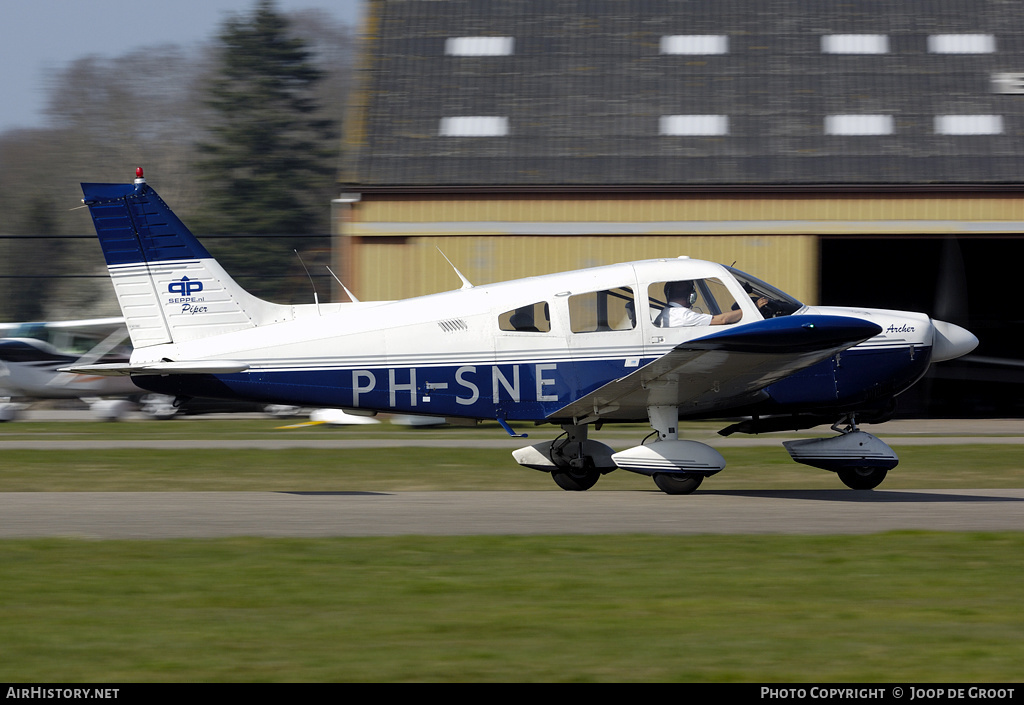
(687, 285)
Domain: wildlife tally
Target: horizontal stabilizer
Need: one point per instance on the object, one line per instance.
(195, 367)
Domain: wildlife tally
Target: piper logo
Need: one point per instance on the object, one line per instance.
(185, 287)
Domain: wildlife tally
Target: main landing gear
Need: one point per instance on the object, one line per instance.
(677, 467)
(576, 463)
(677, 483)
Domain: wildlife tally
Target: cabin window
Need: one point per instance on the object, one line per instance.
(606, 310)
(533, 318)
(709, 296)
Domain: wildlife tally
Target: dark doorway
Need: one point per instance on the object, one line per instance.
(969, 280)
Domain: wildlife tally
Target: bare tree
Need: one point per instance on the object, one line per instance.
(108, 116)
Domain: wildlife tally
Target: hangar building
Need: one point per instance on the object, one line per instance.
(865, 153)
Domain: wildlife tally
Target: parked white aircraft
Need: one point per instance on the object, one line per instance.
(31, 355)
(35, 353)
(577, 349)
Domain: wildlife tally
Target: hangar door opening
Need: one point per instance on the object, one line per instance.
(973, 281)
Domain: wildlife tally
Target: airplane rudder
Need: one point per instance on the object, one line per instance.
(135, 225)
(111, 219)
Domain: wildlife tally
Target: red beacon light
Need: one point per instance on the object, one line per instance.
(138, 176)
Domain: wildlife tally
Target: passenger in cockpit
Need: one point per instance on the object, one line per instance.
(522, 320)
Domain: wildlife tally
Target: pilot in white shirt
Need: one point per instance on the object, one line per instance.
(681, 295)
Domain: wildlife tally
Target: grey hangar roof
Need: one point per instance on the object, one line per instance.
(682, 93)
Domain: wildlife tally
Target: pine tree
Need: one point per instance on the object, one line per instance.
(25, 299)
(269, 164)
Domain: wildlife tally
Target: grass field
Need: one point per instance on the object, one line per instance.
(896, 607)
(412, 468)
(900, 607)
(398, 469)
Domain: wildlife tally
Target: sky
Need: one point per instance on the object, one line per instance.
(39, 37)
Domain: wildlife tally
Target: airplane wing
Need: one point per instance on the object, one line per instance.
(724, 369)
(98, 327)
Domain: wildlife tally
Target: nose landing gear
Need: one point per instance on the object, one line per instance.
(861, 460)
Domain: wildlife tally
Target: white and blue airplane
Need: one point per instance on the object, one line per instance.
(577, 349)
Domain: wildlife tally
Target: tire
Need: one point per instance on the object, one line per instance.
(677, 483)
(576, 482)
(862, 478)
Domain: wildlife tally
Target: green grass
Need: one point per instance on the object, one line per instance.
(228, 428)
(397, 469)
(902, 607)
(400, 468)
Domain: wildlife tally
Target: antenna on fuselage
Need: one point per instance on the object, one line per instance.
(351, 296)
(316, 299)
(465, 282)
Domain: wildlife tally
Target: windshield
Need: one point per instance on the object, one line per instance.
(779, 303)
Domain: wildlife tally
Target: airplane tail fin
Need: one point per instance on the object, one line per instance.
(168, 286)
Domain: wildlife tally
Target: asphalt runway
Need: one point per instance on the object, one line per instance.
(154, 515)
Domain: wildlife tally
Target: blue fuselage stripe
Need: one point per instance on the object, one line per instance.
(531, 390)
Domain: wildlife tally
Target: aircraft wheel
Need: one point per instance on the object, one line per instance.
(575, 481)
(676, 483)
(862, 478)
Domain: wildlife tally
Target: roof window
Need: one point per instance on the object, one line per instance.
(858, 124)
(479, 46)
(693, 125)
(855, 44)
(695, 44)
(961, 43)
(474, 126)
(969, 124)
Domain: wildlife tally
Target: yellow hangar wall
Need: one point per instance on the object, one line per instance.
(389, 247)
(388, 268)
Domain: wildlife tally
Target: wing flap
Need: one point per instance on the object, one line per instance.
(724, 369)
